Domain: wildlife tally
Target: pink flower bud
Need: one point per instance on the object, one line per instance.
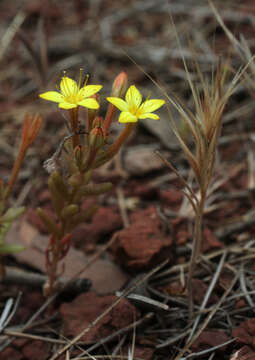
(120, 84)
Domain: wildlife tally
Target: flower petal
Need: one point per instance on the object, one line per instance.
(52, 96)
(133, 97)
(149, 116)
(127, 117)
(151, 105)
(119, 103)
(68, 86)
(89, 90)
(89, 103)
(67, 105)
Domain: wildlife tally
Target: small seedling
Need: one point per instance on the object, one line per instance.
(31, 127)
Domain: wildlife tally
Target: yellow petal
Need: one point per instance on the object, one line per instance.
(151, 105)
(148, 116)
(68, 86)
(67, 105)
(119, 103)
(89, 90)
(89, 103)
(127, 117)
(133, 97)
(52, 96)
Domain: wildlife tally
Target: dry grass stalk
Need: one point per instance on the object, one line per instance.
(204, 124)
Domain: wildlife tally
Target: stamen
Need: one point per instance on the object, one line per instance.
(148, 96)
(79, 84)
(86, 80)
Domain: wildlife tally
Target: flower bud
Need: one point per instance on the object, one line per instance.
(96, 138)
(119, 85)
(78, 155)
(31, 127)
(118, 89)
(97, 122)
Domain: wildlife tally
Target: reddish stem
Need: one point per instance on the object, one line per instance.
(114, 148)
(109, 118)
(74, 122)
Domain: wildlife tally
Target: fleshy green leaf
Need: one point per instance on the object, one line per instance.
(12, 214)
(6, 249)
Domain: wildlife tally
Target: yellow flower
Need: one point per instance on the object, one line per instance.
(132, 107)
(72, 95)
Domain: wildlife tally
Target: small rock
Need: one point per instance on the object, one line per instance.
(245, 332)
(240, 304)
(199, 291)
(142, 245)
(171, 197)
(182, 236)
(79, 314)
(11, 353)
(104, 222)
(35, 350)
(175, 288)
(140, 160)
(210, 338)
(209, 241)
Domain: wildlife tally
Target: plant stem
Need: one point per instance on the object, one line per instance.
(196, 248)
(109, 118)
(74, 122)
(52, 275)
(114, 148)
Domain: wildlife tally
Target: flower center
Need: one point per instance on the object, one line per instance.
(133, 109)
(73, 98)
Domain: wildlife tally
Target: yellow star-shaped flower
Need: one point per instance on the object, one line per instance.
(132, 107)
(72, 95)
